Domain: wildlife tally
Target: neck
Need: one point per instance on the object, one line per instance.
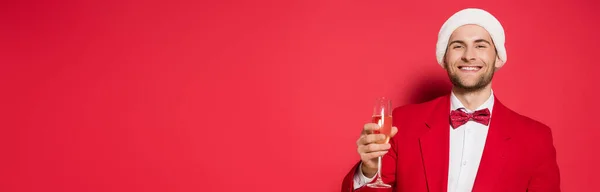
(472, 99)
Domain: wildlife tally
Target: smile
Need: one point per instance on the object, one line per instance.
(469, 68)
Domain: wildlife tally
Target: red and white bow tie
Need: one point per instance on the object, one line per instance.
(459, 117)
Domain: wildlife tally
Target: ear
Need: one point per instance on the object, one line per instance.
(499, 62)
(444, 62)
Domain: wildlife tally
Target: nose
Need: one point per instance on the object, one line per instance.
(469, 55)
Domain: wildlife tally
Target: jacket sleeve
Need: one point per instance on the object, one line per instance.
(546, 176)
(388, 172)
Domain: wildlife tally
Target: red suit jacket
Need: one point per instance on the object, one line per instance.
(519, 153)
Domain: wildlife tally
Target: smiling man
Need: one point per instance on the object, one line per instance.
(466, 140)
(471, 59)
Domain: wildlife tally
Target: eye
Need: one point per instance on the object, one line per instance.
(480, 46)
(457, 46)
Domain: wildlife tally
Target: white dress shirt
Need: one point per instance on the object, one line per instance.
(466, 148)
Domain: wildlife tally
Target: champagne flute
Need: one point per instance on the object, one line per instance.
(382, 115)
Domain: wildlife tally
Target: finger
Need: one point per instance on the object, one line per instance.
(369, 128)
(374, 138)
(394, 131)
(373, 155)
(371, 138)
(360, 141)
(373, 147)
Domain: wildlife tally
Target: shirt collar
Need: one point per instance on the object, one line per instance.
(456, 104)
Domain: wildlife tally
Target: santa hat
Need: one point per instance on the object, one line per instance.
(471, 16)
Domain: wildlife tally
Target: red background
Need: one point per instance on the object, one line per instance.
(247, 95)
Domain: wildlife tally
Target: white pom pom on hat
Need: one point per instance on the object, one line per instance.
(471, 16)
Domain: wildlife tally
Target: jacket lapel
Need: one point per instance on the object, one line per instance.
(494, 153)
(435, 145)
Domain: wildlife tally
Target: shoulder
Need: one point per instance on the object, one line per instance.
(410, 119)
(529, 127)
(532, 137)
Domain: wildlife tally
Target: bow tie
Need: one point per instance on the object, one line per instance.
(459, 117)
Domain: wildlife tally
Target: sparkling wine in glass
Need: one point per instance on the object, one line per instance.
(382, 115)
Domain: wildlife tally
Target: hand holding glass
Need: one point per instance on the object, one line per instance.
(382, 116)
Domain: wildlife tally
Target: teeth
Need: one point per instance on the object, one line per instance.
(470, 68)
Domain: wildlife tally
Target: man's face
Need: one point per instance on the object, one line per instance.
(471, 58)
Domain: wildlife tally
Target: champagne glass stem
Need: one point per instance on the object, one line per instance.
(379, 169)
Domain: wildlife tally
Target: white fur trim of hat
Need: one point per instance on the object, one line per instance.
(471, 16)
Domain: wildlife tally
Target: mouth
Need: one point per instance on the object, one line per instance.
(470, 68)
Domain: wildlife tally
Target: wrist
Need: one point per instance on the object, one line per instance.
(367, 171)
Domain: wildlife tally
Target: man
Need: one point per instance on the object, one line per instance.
(466, 140)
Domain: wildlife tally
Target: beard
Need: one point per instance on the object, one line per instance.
(482, 81)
